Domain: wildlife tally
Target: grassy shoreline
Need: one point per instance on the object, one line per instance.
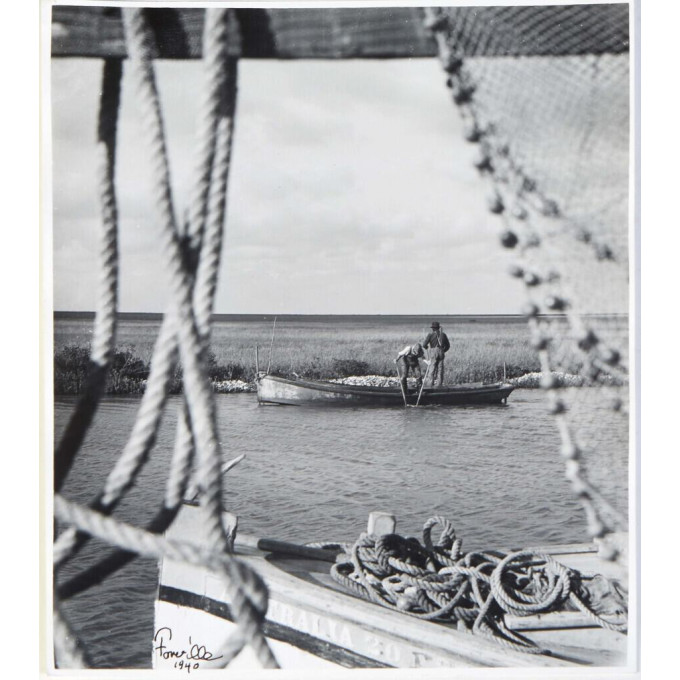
(361, 360)
(323, 349)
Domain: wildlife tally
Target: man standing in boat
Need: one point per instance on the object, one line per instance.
(438, 343)
(408, 362)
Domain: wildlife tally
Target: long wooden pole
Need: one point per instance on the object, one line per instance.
(422, 384)
(403, 394)
(271, 346)
(273, 545)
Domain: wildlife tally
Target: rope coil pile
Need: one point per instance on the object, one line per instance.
(440, 582)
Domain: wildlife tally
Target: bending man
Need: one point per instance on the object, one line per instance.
(407, 362)
(438, 344)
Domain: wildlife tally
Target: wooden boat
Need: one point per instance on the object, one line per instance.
(312, 622)
(272, 389)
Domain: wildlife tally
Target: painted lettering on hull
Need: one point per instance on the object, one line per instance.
(400, 654)
(289, 627)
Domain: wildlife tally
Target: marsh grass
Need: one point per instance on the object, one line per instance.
(478, 352)
(317, 350)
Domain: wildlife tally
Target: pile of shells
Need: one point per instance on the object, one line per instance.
(533, 380)
(526, 381)
(231, 386)
(371, 381)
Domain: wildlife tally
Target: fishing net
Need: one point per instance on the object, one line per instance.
(552, 137)
(544, 95)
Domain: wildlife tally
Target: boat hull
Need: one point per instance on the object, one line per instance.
(311, 622)
(276, 390)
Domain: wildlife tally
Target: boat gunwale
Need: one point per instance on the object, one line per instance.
(464, 649)
(288, 587)
(324, 386)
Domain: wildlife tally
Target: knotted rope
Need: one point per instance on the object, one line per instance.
(104, 330)
(196, 385)
(439, 582)
(193, 256)
(434, 581)
(221, 89)
(247, 592)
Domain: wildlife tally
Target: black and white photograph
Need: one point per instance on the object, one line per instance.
(343, 349)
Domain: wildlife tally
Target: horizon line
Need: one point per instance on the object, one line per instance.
(284, 314)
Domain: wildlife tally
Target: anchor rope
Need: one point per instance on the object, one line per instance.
(104, 331)
(438, 581)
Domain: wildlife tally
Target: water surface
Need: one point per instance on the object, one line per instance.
(315, 474)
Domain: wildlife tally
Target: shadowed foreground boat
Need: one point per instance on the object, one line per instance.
(314, 622)
(275, 390)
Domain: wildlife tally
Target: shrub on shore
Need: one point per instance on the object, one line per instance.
(127, 372)
(219, 374)
(70, 369)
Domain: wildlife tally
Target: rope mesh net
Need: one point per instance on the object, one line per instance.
(552, 132)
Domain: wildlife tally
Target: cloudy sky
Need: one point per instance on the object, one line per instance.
(351, 191)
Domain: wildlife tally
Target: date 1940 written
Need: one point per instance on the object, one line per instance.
(184, 659)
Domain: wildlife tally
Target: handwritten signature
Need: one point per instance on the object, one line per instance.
(185, 659)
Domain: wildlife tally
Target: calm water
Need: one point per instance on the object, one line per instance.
(316, 474)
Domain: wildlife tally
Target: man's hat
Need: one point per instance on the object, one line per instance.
(435, 324)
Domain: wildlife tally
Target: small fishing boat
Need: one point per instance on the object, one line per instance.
(273, 389)
(313, 622)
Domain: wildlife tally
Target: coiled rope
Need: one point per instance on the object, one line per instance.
(439, 582)
(433, 582)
